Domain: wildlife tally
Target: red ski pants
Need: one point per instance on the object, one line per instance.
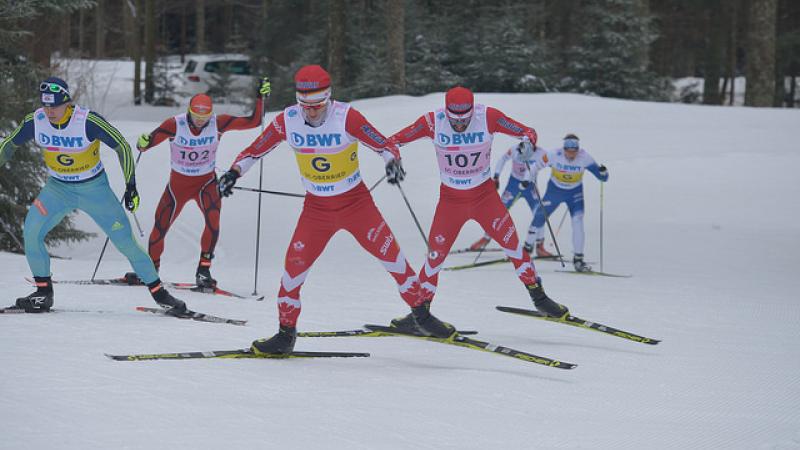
(180, 189)
(355, 212)
(483, 205)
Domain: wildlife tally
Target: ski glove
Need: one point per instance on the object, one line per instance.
(525, 184)
(227, 181)
(395, 172)
(603, 171)
(265, 87)
(131, 197)
(496, 179)
(143, 142)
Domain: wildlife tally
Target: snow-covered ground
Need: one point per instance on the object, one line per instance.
(701, 209)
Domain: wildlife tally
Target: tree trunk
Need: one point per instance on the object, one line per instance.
(136, 42)
(535, 13)
(183, 35)
(150, 50)
(712, 66)
(760, 70)
(733, 9)
(200, 26)
(81, 32)
(66, 34)
(395, 45)
(99, 29)
(227, 25)
(127, 27)
(336, 41)
(792, 92)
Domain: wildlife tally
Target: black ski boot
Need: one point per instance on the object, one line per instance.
(203, 277)
(132, 279)
(40, 301)
(545, 304)
(430, 325)
(174, 306)
(280, 344)
(580, 265)
(528, 249)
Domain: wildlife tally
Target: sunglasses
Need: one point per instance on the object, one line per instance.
(314, 106)
(52, 87)
(571, 144)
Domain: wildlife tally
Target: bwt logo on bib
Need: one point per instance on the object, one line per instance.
(461, 138)
(195, 142)
(316, 140)
(61, 141)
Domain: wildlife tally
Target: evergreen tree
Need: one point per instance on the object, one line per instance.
(607, 57)
(22, 178)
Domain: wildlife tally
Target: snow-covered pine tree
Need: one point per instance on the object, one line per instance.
(22, 178)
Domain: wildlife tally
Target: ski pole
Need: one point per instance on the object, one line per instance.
(265, 191)
(546, 219)
(561, 224)
(419, 227)
(105, 244)
(377, 183)
(483, 247)
(260, 181)
(139, 226)
(601, 226)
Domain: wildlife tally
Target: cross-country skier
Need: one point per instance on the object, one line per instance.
(70, 137)
(524, 163)
(462, 134)
(193, 140)
(324, 135)
(566, 186)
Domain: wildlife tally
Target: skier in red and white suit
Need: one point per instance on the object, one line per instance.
(324, 135)
(462, 134)
(193, 140)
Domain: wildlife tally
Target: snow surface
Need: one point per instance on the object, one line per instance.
(701, 209)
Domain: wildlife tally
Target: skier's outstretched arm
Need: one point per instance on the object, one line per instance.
(98, 128)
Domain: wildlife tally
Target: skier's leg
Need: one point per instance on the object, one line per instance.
(211, 205)
(368, 227)
(48, 210)
(313, 231)
(168, 209)
(448, 220)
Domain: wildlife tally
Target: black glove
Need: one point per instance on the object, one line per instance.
(603, 171)
(131, 196)
(227, 181)
(496, 179)
(395, 172)
(525, 184)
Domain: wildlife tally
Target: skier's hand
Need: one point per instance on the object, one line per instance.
(603, 171)
(395, 172)
(525, 184)
(393, 148)
(496, 179)
(227, 181)
(265, 87)
(131, 197)
(143, 142)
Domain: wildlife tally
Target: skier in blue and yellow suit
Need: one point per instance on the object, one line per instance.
(70, 137)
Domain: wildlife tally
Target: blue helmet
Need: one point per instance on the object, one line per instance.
(54, 92)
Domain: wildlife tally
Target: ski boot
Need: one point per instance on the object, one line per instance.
(545, 304)
(40, 301)
(174, 306)
(132, 279)
(541, 252)
(203, 277)
(528, 249)
(428, 324)
(580, 265)
(280, 344)
(479, 244)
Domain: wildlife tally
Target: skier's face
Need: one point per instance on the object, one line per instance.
(570, 153)
(314, 113)
(56, 113)
(199, 121)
